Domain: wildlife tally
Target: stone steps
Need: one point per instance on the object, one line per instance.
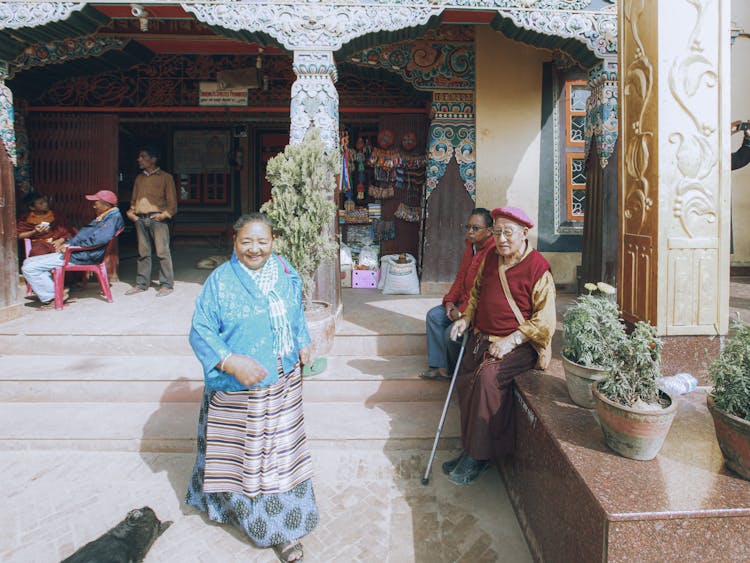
(171, 427)
(52, 344)
(135, 385)
(107, 378)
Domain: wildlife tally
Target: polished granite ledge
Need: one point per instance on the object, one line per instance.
(691, 354)
(578, 501)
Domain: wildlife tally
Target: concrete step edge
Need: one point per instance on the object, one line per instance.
(32, 422)
(188, 445)
(178, 345)
(117, 367)
(183, 391)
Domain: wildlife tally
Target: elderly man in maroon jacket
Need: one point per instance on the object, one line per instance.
(442, 352)
(512, 314)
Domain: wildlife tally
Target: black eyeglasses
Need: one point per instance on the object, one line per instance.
(473, 228)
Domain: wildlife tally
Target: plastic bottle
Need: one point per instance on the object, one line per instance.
(677, 384)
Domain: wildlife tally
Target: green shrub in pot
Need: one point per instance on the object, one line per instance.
(592, 327)
(634, 414)
(729, 401)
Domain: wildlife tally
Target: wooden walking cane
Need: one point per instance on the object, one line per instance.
(426, 478)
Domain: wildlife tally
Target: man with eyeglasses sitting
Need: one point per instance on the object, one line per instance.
(442, 352)
(511, 311)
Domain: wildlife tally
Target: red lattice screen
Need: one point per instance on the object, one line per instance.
(72, 155)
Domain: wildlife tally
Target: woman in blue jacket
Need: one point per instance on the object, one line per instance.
(253, 467)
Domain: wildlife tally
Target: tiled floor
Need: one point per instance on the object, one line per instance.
(372, 503)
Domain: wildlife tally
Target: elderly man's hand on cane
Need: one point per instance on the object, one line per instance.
(458, 328)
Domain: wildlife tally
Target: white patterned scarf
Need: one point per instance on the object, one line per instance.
(267, 278)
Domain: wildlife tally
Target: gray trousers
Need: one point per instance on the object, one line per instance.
(442, 352)
(153, 235)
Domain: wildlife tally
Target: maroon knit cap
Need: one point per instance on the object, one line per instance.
(514, 214)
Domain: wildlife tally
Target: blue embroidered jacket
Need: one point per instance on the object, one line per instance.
(232, 315)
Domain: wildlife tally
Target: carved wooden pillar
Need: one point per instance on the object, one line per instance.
(9, 296)
(315, 103)
(674, 164)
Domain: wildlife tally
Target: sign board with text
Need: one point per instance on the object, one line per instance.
(209, 94)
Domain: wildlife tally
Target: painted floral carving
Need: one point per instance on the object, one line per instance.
(691, 76)
(452, 134)
(15, 15)
(425, 65)
(601, 111)
(315, 101)
(637, 89)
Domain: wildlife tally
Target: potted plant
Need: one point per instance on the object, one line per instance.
(729, 400)
(591, 330)
(302, 209)
(634, 413)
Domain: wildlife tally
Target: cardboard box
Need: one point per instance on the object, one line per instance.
(346, 275)
(365, 279)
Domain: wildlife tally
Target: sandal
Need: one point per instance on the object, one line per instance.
(51, 304)
(433, 374)
(285, 551)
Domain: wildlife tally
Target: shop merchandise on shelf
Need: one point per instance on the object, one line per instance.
(383, 189)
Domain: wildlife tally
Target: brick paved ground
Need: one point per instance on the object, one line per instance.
(372, 504)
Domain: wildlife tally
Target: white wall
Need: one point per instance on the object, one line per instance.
(508, 117)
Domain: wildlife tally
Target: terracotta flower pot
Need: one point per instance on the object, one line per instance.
(321, 324)
(579, 379)
(733, 435)
(632, 433)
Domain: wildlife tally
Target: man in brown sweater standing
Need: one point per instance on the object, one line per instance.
(152, 205)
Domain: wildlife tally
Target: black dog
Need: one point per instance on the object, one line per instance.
(128, 542)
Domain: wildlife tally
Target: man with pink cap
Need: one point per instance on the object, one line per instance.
(37, 270)
(511, 313)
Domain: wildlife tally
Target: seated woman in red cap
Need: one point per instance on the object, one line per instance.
(512, 313)
(37, 270)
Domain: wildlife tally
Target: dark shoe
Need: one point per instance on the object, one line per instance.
(434, 374)
(449, 466)
(163, 291)
(135, 289)
(468, 470)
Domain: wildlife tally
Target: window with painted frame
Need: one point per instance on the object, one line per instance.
(572, 92)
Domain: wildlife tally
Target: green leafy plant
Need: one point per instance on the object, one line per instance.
(302, 208)
(632, 374)
(730, 373)
(592, 327)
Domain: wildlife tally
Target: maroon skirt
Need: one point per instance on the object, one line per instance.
(485, 393)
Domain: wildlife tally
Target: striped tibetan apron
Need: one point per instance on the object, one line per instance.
(255, 439)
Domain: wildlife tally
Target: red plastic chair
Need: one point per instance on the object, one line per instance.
(27, 250)
(99, 269)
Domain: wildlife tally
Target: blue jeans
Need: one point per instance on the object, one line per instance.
(37, 271)
(442, 352)
(149, 231)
